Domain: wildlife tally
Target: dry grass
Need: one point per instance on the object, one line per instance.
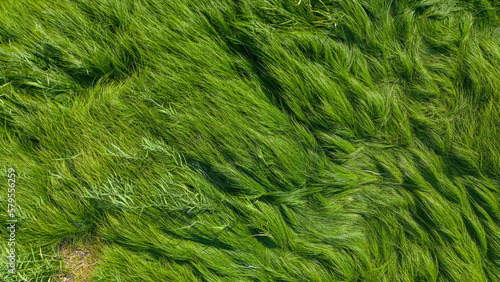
(79, 261)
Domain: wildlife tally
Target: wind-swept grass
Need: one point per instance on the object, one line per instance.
(254, 140)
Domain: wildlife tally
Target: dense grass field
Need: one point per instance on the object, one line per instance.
(251, 140)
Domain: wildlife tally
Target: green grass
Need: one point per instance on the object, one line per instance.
(253, 140)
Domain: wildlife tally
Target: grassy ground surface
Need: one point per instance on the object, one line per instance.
(251, 140)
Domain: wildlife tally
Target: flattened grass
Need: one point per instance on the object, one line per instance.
(254, 140)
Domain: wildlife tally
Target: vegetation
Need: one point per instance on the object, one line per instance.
(253, 140)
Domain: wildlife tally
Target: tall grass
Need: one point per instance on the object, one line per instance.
(254, 140)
